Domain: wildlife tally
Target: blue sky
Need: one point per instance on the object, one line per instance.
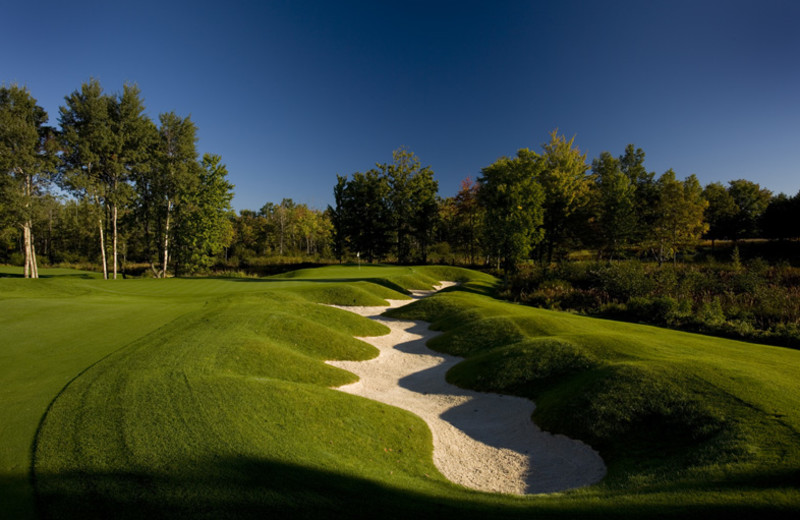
(290, 93)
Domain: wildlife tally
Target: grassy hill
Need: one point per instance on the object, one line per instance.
(209, 398)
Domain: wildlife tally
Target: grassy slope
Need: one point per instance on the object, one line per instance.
(225, 410)
(701, 420)
(56, 329)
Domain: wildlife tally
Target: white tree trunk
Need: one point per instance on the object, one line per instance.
(26, 238)
(114, 218)
(34, 266)
(103, 249)
(30, 270)
(166, 241)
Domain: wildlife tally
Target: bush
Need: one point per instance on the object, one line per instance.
(624, 280)
(754, 299)
(652, 310)
(711, 313)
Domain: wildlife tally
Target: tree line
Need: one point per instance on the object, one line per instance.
(113, 188)
(545, 205)
(109, 183)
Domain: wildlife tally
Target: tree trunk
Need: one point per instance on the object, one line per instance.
(26, 239)
(30, 270)
(283, 230)
(34, 266)
(103, 249)
(166, 241)
(114, 239)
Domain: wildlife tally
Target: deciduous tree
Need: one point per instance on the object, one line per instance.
(720, 212)
(566, 192)
(512, 199)
(204, 228)
(175, 176)
(412, 202)
(680, 221)
(751, 202)
(616, 204)
(631, 163)
(26, 159)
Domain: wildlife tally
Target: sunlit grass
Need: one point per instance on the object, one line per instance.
(665, 408)
(210, 398)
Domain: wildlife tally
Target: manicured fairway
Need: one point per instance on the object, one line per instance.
(210, 398)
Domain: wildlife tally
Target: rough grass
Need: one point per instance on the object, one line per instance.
(209, 398)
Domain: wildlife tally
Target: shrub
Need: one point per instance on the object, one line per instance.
(652, 310)
(711, 313)
(623, 281)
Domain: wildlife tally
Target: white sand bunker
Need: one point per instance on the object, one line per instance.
(482, 441)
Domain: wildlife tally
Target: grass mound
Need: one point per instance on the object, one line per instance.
(352, 293)
(658, 404)
(209, 398)
(525, 368)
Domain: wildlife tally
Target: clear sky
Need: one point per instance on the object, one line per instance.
(290, 93)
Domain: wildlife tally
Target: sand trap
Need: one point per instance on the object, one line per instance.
(482, 441)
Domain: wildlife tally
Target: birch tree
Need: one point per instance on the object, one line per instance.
(132, 139)
(173, 177)
(26, 158)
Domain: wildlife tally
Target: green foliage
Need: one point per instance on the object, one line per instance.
(27, 157)
(751, 202)
(781, 218)
(512, 199)
(205, 227)
(754, 302)
(461, 221)
(391, 209)
(363, 215)
(412, 201)
(566, 192)
(680, 223)
(646, 201)
(616, 204)
(720, 211)
(106, 141)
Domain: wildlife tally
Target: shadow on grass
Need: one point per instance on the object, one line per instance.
(240, 487)
(16, 498)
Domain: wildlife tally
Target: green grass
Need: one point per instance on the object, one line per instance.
(696, 415)
(209, 398)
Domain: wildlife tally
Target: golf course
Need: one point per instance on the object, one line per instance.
(213, 398)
